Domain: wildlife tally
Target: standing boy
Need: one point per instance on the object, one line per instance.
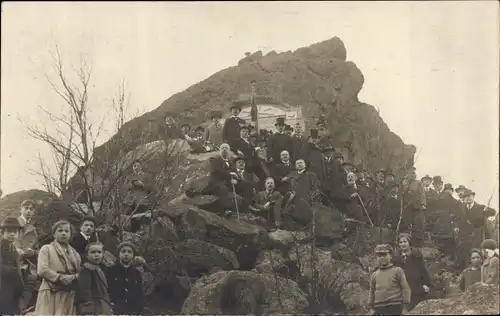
(389, 290)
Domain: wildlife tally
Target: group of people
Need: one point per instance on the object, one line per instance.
(401, 280)
(69, 275)
(280, 176)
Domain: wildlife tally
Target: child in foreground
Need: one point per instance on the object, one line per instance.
(92, 292)
(11, 282)
(125, 282)
(389, 291)
(472, 274)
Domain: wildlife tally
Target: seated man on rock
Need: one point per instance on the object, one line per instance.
(198, 145)
(297, 211)
(352, 204)
(140, 186)
(245, 180)
(267, 203)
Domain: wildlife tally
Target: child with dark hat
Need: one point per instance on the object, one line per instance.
(11, 282)
(125, 282)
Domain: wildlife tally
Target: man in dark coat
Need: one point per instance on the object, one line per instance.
(86, 235)
(231, 129)
(316, 160)
(243, 147)
(415, 205)
(247, 181)
(460, 190)
(471, 225)
(268, 202)
(279, 141)
(300, 144)
(390, 208)
(220, 172)
(331, 182)
(430, 193)
(289, 130)
(281, 171)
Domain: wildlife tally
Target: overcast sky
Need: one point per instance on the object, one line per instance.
(431, 66)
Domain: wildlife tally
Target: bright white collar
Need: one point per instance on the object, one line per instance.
(85, 236)
(301, 171)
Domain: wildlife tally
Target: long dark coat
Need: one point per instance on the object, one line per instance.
(279, 172)
(390, 209)
(440, 214)
(231, 129)
(316, 163)
(91, 297)
(246, 186)
(125, 289)
(248, 150)
(219, 176)
(278, 142)
(79, 243)
(352, 206)
(300, 148)
(471, 224)
(298, 213)
(11, 282)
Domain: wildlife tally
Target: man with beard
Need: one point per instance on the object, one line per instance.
(213, 133)
(279, 141)
(281, 171)
(231, 129)
(471, 225)
(415, 205)
(267, 203)
(297, 212)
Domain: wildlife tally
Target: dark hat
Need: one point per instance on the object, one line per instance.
(347, 163)
(199, 128)
(288, 128)
(214, 113)
(239, 157)
(381, 170)
(185, 124)
(426, 177)
(437, 179)
(10, 222)
(448, 186)
(469, 192)
(461, 187)
(280, 121)
(314, 133)
(244, 126)
(328, 148)
(489, 244)
(236, 105)
(27, 203)
(127, 244)
(383, 248)
(339, 155)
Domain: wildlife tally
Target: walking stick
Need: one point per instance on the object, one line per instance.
(364, 209)
(235, 202)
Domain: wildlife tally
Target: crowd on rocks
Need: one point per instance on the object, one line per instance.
(67, 275)
(277, 177)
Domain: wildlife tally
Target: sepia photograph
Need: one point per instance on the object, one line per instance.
(249, 158)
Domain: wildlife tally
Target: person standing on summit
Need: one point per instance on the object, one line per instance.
(279, 141)
(231, 129)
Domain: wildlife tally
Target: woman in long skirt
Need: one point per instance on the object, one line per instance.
(58, 266)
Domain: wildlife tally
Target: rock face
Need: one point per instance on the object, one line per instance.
(478, 300)
(317, 74)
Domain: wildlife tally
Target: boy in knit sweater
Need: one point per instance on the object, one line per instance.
(389, 292)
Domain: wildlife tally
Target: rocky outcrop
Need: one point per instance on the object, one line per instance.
(478, 300)
(309, 76)
(244, 292)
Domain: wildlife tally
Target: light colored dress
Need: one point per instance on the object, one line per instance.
(53, 297)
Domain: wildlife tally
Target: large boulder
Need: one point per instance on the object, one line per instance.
(310, 75)
(244, 292)
(478, 300)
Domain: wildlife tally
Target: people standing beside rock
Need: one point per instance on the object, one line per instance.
(58, 266)
(389, 291)
(231, 129)
(268, 203)
(472, 274)
(213, 133)
(471, 225)
(412, 262)
(11, 282)
(125, 282)
(491, 262)
(91, 297)
(414, 207)
(279, 141)
(282, 170)
(139, 186)
(87, 235)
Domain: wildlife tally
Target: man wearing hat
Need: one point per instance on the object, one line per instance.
(430, 193)
(415, 205)
(11, 282)
(289, 130)
(279, 141)
(231, 129)
(281, 171)
(331, 182)
(471, 224)
(460, 190)
(315, 159)
(247, 181)
(448, 187)
(213, 133)
(196, 142)
(243, 147)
